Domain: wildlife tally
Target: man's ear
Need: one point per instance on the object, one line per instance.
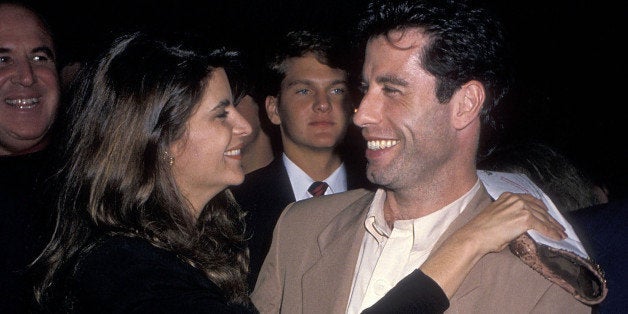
(468, 103)
(272, 110)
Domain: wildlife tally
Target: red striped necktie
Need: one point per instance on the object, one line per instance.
(317, 188)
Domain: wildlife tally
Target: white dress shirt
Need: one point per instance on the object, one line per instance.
(388, 255)
(300, 181)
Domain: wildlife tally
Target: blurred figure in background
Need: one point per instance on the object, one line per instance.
(29, 92)
(602, 229)
(29, 82)
(568, 186)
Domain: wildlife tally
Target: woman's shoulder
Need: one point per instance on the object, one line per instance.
(121, 248)
(128, 274)
(119, 257)
(116, 253)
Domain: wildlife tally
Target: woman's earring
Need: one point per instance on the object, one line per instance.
(169, 158)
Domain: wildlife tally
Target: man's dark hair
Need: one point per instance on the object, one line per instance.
(327, 48)
(466, 43)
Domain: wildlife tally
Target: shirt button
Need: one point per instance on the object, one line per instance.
(381, 287)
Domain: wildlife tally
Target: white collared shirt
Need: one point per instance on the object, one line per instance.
(387, 256)
(300, 181)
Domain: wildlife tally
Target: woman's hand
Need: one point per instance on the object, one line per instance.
(499, 223)
(508, 217)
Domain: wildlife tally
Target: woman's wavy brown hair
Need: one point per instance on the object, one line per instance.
(130, 105)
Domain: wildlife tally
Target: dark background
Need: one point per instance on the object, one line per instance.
(569, 56)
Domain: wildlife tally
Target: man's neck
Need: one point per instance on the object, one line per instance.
(316, 164)
(428, 196)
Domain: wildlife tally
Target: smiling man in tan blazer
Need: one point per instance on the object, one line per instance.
(433, 72)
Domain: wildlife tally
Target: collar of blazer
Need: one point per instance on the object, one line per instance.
(339, 245)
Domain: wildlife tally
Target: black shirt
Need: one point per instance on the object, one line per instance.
(25, 228)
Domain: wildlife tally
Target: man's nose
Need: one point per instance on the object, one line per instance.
(322, 104)
(368, 112)
(24, 74)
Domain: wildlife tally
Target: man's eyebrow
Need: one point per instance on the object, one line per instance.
(297, 82)
(45, 49)
(309, 82)
(336, 82)
(223, 103)
(4, 50)
(392, 80)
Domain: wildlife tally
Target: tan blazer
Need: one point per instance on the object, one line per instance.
(316, 243)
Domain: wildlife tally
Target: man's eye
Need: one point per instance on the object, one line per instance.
(302, 91)
(389, 90)
(338, 91)
(363, 88)
(41, 58)
(223, 115)
(4, 59)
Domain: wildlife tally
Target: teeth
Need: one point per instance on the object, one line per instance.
(23, 103)
(376, 145)
(233, 152)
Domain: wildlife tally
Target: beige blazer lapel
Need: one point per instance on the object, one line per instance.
(475, 206)
(332, 275)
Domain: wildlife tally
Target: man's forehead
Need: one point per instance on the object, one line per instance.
(306, 61)
(13, 13)
(33, 39)
(15, 18)
(308, 68)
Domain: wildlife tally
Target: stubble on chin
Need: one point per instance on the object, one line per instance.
(376, 176)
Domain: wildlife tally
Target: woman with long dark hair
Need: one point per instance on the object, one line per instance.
(154, 143)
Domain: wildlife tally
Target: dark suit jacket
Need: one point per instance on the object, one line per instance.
(601, 229)
(120, 274)
(264, 194)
